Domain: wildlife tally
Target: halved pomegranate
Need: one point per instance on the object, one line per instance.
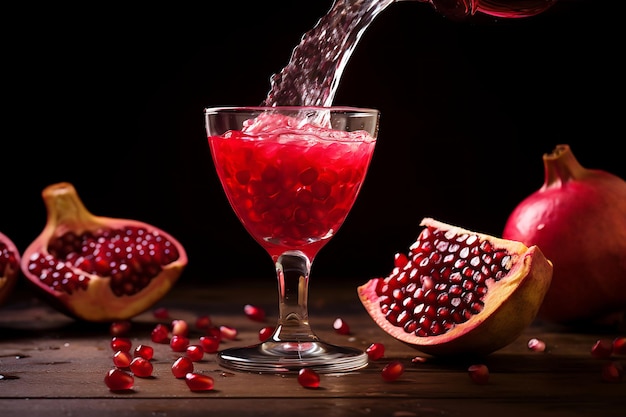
(97, 268)
(459, 292)
(9, 266)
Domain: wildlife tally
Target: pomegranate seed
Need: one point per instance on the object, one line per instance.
(419, 359)
(203, 322)
(341, 326)
(161, 313)
(400, 260)
(602, 349)
(392, 371)
(179, 343)
(536, 345)
(118, 380)
(209, 344)
(612, 372)
(182, 366)
(120, 328)
(227, 332)
(266, 332)
(180, 328)
(619, 346)
(214, 331)
(160, 334)
(375, 351)
(254, 313)
(122, 359)
(141, 367)
(195, 352)
(198, 382)
(479, 374)
(308, 378)
(121, 343)
(144, 351)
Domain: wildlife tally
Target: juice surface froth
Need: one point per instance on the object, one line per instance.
(281, 127)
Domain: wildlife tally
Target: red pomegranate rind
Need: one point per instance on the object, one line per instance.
(509, 304)
(90, 287)
(9, 267)
(578, 219)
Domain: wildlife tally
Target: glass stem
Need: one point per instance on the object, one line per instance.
(292, 270)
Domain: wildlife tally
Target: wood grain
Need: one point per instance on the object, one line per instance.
(52, 365)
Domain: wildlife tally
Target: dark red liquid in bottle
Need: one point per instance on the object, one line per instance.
(460, 9)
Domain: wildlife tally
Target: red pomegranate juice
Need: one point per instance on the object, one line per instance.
(291, 185)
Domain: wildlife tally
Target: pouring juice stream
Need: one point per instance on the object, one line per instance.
(314, 71)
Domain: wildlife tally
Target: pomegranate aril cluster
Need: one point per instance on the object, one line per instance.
(441, 283)
(130, 256)
(301, 198)
(127, 366)
(139, 364)
(7, 259)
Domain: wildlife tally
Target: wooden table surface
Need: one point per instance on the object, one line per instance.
(51, 365)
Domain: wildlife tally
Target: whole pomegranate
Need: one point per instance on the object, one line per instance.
(578, 219)
(9, 266)
(99, 269)
(459, 292)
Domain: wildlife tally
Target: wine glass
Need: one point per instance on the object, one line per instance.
(292, 174)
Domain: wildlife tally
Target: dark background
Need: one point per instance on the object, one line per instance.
(111, 99)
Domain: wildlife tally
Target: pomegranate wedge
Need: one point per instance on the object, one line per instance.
(459, 292)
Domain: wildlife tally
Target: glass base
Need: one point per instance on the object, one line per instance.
(290, 357)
